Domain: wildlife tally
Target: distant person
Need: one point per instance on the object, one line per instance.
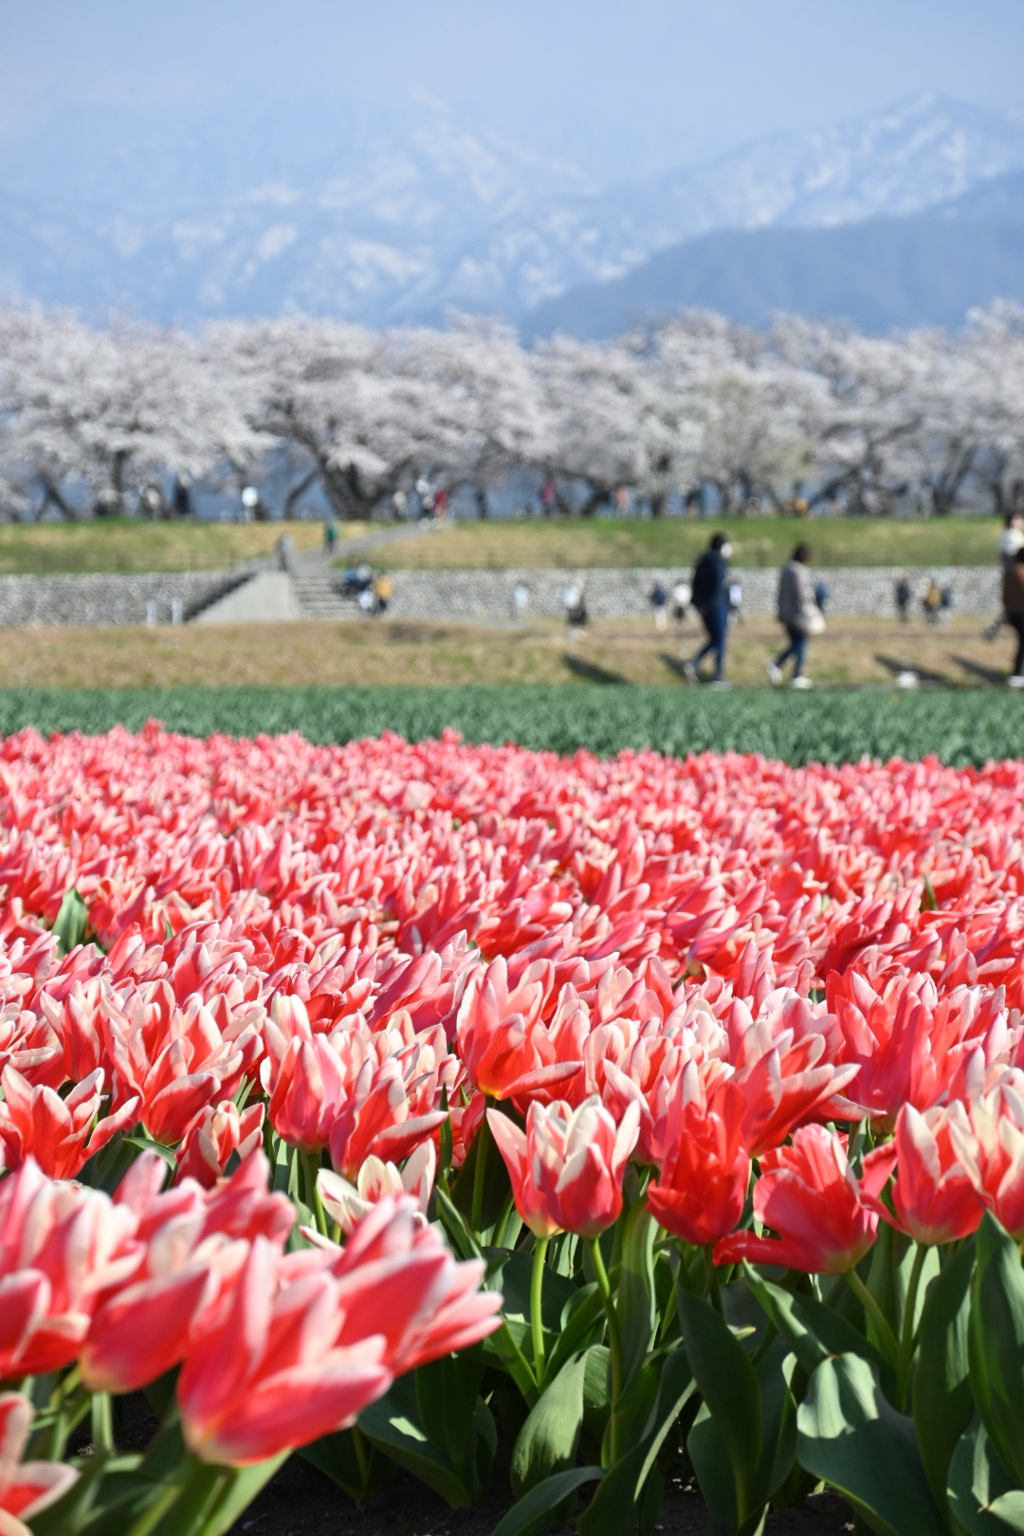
(441, 505)
(681, 595)
(658, 599)
(283, 550)
(1013, 606)
(547, 496)
(383, 591)
(735, 601)
(330, 535)
(574, 603)
(799, 615)
(931, 602)
(520, 601)
(903, 596)
(181, 498)
(711, 599)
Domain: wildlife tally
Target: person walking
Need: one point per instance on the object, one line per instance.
(710, 589)
(1013, 607)
(658, 599)
(1010, 541)
(799, 615)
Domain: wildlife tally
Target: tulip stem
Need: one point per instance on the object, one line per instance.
(102, 1424)
(908, 1330)
(614, 1340)
(316, 1205)
(536, 1317)
(483, 1139)
(886, 1336)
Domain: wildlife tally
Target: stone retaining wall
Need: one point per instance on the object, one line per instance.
(620, 594)
(108, 599)
(470, 595)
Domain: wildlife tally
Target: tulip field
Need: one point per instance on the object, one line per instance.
(488, 1117)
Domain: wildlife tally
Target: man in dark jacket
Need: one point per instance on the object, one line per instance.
(711, 600)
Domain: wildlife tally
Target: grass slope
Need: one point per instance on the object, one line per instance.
(840, 727)
(126, 544)
(759, 541)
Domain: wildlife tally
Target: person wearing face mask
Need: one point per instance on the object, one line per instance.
(711, 600)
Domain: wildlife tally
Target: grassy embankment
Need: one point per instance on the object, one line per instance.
(333, 653)
(126, 544)
(761, 541)
(130, 545)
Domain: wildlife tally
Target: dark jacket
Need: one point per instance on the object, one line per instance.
(1013, 588)
(711, 581)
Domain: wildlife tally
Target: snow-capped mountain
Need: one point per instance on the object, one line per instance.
(398, 216)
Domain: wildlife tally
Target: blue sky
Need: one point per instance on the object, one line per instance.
(617, 86)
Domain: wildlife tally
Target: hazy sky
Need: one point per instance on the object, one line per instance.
(618, 86)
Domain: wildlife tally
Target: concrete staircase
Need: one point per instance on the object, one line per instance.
(318, 590)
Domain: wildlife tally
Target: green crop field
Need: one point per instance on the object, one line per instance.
(962, 728)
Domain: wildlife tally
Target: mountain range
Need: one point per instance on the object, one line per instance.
(387, 215)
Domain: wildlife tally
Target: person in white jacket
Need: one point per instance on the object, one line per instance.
(800, 616)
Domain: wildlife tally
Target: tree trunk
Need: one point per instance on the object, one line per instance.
(658, 501)
(296, 492)
(53, 497)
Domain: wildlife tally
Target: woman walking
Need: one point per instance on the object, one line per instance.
(1013, 607)
(800, 616)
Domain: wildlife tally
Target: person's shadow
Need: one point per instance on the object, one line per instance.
(674, 665)
(588, 672)
(975, 669)
(924, 674)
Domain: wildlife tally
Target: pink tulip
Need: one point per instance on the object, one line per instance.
(808, 1194)
(26, 1487)
(934, 1198)
(702, 1187)
(567, 1169)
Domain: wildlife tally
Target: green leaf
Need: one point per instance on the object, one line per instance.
(335, 1456)
(737, 1507)
(727, 1384)
(977, 1480)
(943, 1402)
(634, 1301)
(612, 1511)
(392, 1423)
(71, 923)
(446, 1397)
(543, 1504)
(1010, 1508)
(848, 1434)
(709, 1456)
(582, 1317)
(996, 1342)
(245, 1484)
(816, 1330)
(547, 1441)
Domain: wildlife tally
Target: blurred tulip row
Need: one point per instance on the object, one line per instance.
(440, 1108)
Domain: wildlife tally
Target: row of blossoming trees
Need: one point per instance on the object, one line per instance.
(375, 1101)
(103, 417)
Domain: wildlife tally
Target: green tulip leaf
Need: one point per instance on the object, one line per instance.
(612, 1511)
(849, 1435)
(545, 1503)
(943, 1403)
(727, 1383)
(71, 923)
(996, 1342)
(635, 1300)
(547, 1441)
(977, 1483)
